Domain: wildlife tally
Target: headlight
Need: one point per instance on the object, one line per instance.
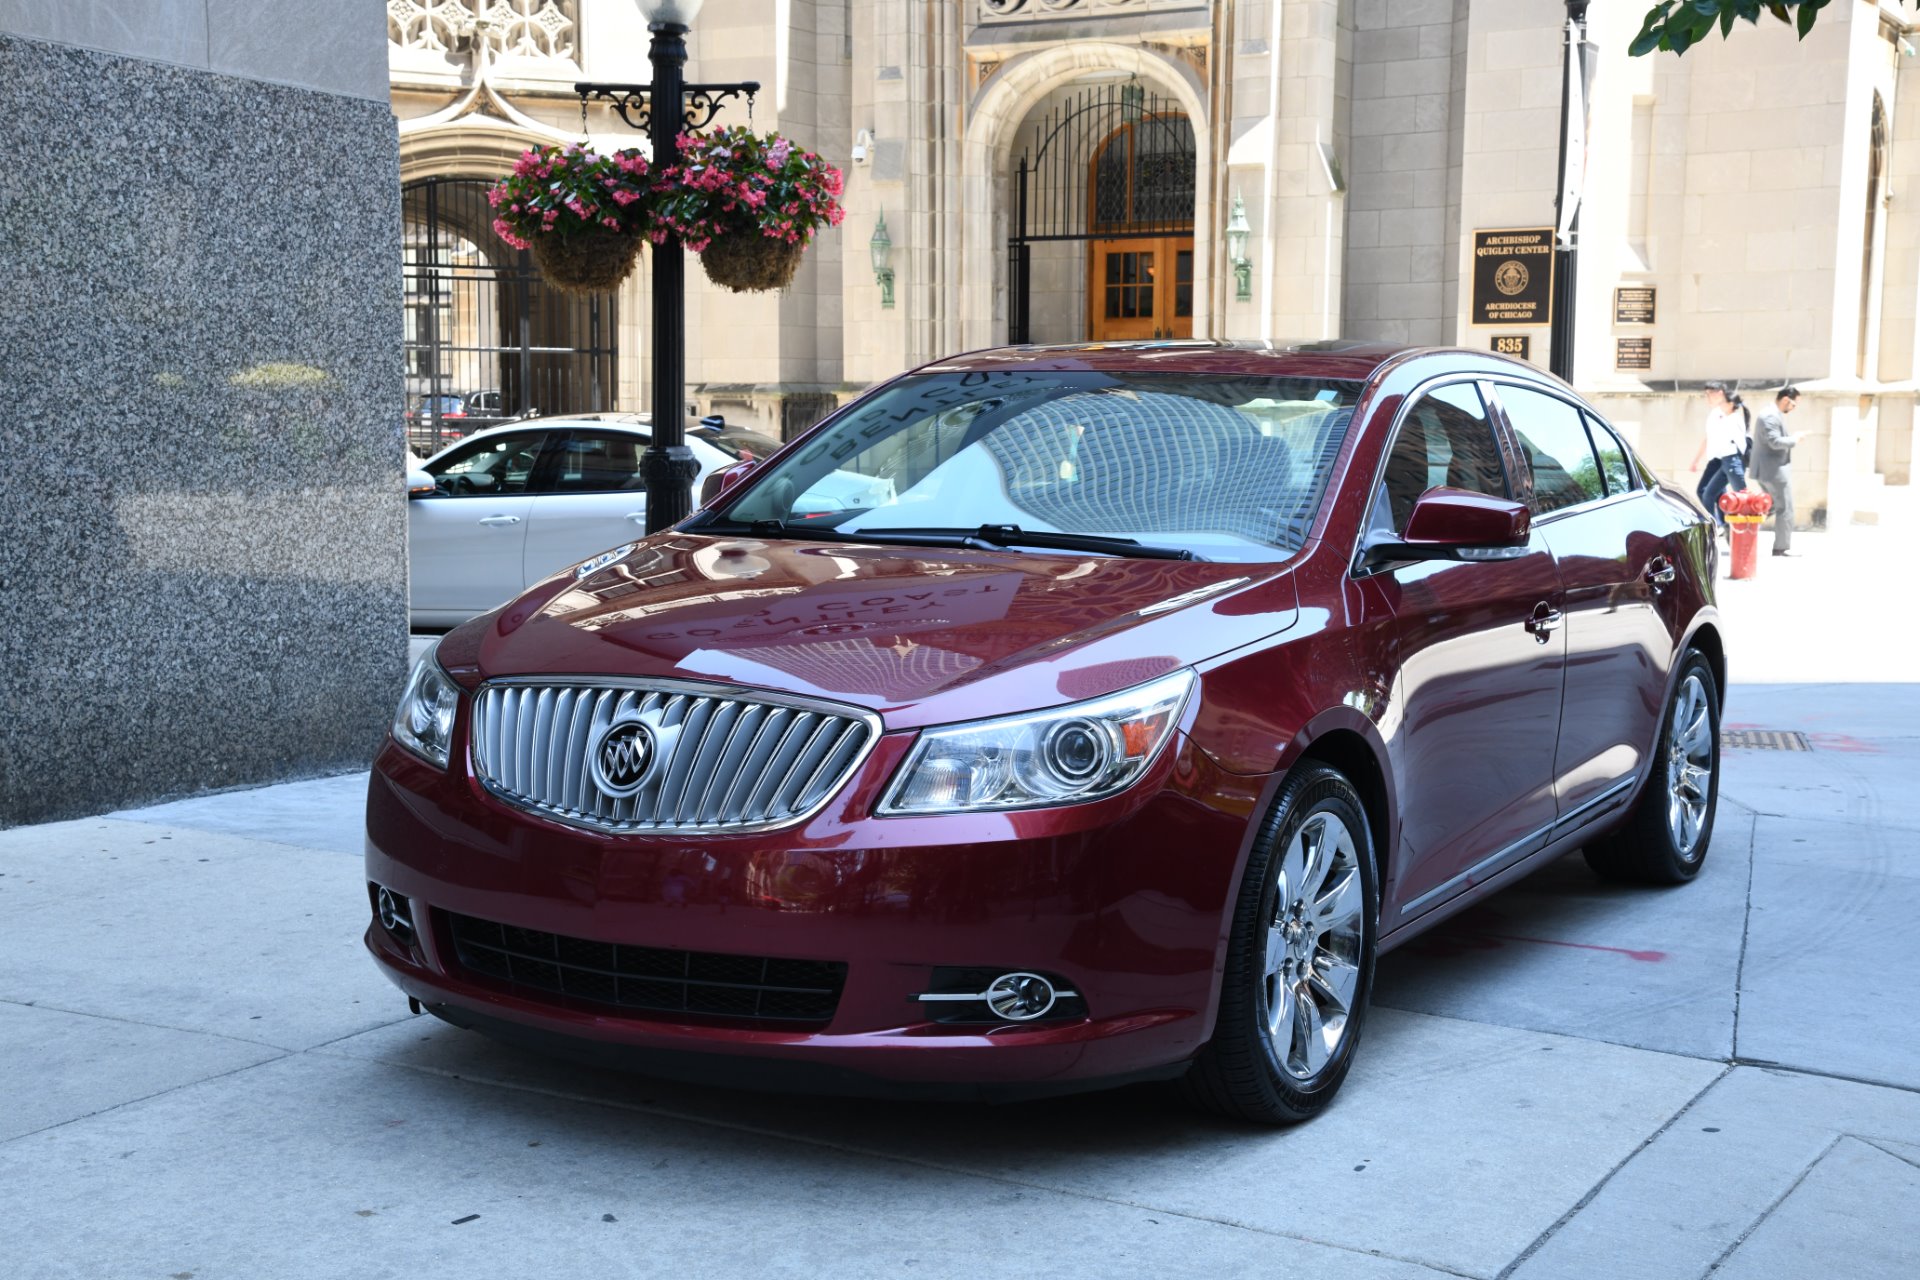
(424, 723)
(1064, 755)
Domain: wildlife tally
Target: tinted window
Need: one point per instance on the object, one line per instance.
(489, 466)
(1554, 438)
(1233, 468)
(738, 443)
(1613, 456)
(602, 463)
(1445, 439)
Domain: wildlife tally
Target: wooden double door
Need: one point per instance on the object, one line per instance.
(1140, 288)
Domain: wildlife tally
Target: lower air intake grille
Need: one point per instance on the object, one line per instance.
(655, 979)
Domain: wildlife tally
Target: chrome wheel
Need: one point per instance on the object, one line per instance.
(1690, 759)
(1312, 970)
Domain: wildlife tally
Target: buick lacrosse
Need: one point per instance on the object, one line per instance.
(1140, 697)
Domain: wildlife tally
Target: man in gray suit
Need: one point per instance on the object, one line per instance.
(1772, 465)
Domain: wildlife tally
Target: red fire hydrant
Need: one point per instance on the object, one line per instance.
(1744, 509)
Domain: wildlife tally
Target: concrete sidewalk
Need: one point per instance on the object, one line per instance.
(207, 1078)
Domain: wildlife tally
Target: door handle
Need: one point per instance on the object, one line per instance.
(638, 517)
(1660, 572)
(495, 522)
(1545, 618)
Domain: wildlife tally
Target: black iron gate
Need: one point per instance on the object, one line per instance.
(1112, 162)
(486, 339)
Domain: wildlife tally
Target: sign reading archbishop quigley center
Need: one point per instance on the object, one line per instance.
(1513, 276)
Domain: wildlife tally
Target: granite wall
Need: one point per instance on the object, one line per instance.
(202, 519)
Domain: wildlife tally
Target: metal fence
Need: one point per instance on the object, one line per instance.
(486, 339)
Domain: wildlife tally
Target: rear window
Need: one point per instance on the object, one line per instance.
(1230, 468)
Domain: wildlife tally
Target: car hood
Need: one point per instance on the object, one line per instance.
(922, 636)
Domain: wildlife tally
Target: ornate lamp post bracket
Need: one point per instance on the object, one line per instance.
(634, 102)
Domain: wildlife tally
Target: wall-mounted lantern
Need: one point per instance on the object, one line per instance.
(881, 247)
(1237, 233)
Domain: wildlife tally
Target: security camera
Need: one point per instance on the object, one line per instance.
(861, 142)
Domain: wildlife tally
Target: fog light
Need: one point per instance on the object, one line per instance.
(983, 994)
(1020, 997)
(395, 917)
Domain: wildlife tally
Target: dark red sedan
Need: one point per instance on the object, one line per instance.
(1054, 717)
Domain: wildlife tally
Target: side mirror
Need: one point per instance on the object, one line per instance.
(1457, 524)
(718, 482)
(419, 483)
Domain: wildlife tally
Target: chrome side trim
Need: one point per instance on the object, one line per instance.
(1568, 821)
(1518, 848)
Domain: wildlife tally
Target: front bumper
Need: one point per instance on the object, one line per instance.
(1125, 899)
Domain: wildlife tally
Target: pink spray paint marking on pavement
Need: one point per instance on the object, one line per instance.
(1648, 957)
(1452, 943)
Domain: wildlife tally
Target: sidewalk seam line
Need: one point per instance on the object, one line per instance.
(1875, 1144)
(1746, 927)
(282, 1056)
(155, 1026)
(1768, 1212)
(1593, 1192)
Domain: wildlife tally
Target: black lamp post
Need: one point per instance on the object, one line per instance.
(668, 465)
(1566, 252)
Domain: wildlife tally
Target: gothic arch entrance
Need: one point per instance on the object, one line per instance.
(1108, 171)
(486, 338)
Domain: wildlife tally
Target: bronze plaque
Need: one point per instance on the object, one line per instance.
(1514, 344)
(1513, 276)
(1633, 304)
(1632, 353)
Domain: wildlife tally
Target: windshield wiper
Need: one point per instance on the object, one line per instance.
(827, 533)
(1012, 535)
(988, 537)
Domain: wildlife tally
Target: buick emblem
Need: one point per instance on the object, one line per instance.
(623, 757)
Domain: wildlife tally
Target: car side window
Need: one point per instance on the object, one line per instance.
(1554, 438)
(1613, 456)
(489, 466)
(1445, 439)
(600, 463)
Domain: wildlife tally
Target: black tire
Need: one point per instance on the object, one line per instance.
(1645, 848)
(1239, 1073)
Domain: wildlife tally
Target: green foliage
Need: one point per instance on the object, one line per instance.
(1678, 25)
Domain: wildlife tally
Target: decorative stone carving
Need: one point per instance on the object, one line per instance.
(997, 11)
(538, 29)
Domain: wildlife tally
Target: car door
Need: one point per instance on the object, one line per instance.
(597, 499)
(465, 540)
(1612, 568)
(1476, 693)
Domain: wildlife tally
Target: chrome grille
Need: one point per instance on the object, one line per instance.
(728, 760)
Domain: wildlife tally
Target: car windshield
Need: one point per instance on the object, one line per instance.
(1223, 467)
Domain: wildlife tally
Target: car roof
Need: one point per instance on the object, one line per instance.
(1332, 358)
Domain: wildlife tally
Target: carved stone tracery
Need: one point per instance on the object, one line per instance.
(537, 29)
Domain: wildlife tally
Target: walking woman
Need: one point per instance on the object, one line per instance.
(1724, 447)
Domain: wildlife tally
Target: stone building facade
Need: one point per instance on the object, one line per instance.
(1065, 170)
(204, 569)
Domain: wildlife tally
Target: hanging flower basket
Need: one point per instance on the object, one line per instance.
(584, 215)
(747, 204)
(749, 263)
(591, 260)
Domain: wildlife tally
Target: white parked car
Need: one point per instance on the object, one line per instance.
(512, 504)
